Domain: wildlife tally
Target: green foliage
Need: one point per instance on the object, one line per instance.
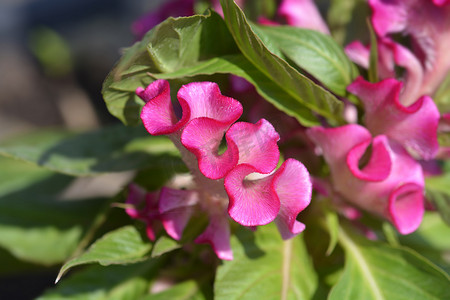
(377, 271)
(30, 213)
(303, 91)
(438, 192)
(112, 149)
(264, 264)
(122, 246)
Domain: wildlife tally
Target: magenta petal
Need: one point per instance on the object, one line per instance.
(135, 198)
(293, 187)
(252, 203)
(415, 126)
(304, 14)
(256, 143)
(157, 114)
(202, 136)
(217, 234)
(406, 207)
(388, 16)
(358, 53)
(176, 208)
(205, 100)
(379, 165)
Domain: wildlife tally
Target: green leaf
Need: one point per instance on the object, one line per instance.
(267, 88)
(377, 271)
(173, 44)
(35, 226)
(332, 223)
(265, 265)
(122, 246)
(163, 245)
(428, 240)
(303, 90)
(188, 290)
(316, 53)
(127, 282)
(112, 149)
(438, 192)
(442, 96)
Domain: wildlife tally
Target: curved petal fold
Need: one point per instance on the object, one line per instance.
(293, 187)
(304, 14)
(414, 126)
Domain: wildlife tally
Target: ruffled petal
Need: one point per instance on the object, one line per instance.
(256, 145)
(252, 202)
(217, 234)
(379, 166)
(406, 207)
(304, 14)
(358, 53)
(388, 16)
(415, 126)
(202, 136)
(293, 187)
(157, 114)
(176, 208)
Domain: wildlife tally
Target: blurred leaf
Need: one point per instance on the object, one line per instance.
(163, 245)
(188, 290)
(377, 271)
(438, 192)
(265, 265)
(303, 90)
(173, 44)
(128, 282)
(34, 225)
(122, 246)
(51, 50)
(240, 66)
(112, 149)
(316, 53)
(442, 96)
(429, 240)
(332, 222)
(339, 15)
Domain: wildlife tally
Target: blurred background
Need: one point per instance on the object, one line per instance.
(54, 56)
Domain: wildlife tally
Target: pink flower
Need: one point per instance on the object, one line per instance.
(223, 184)
(304, 14)
(390, 185)
(414, 126)
(428, 24)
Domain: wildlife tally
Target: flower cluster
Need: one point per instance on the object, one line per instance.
(239, 182)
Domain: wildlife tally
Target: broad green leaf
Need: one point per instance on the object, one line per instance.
(240, 66)
(332, 222)
(189, 290)
(127, 282)
(299, 87)
(374, 270)
(112, 149)
(122, 246)
(429, 241)
(35, 226)
(171, 45)
(316, 53)
(438, 191)
(265, 265)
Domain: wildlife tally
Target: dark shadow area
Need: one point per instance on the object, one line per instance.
(247, 239)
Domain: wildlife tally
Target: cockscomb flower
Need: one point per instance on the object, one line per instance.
(390, 184)
(414, 127)
(428, 24)
(240, 182)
